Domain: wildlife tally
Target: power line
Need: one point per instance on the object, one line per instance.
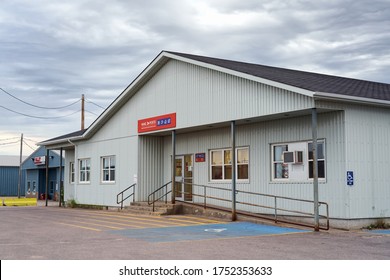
(31, 140)
(37, 117)
(9, 143)
(92, 113)
(40, 107)
(28, 145)
(89, 101)
(7, 139)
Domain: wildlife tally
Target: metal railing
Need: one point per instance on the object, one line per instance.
(120, 196)
(277, 211)
(164, 189)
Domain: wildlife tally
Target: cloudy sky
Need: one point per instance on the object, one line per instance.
(52, 52)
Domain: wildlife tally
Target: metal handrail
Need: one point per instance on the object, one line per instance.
(275, 206)
(165, 194)
(122, 193)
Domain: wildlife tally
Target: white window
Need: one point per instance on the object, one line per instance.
(280, 169)
(71, 172)
(294, 161)
(85, 170)
(320, 160)
(242, 163)
(108, 169)
(221, 164)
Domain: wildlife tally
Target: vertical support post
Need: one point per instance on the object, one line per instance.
(173, 165)
(315, 169)
(233, 143)
(47, 176)
(20, 165)
(60, 185)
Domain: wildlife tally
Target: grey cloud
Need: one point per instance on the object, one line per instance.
(54, 51)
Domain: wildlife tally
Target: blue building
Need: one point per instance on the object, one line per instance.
(34, 168)
(9, 176)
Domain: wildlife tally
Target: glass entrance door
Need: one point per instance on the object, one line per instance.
(183, 177)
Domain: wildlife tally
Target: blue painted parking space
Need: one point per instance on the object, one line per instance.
(202, 232)
(380, 231)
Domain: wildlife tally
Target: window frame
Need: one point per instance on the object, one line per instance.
(72, 173)
(274, 162)
(109, 169)
(85, 170)
(306, 162)
(225, 165)
(322, 142)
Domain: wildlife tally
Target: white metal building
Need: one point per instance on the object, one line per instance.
(190, 106)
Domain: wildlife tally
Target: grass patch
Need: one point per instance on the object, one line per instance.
(72, 203)
(379, 224)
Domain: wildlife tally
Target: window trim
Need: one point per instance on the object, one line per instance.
(87, 172)
(223, 165)
(306, 162)
(72, 173)
(319, 141)
(102, 169)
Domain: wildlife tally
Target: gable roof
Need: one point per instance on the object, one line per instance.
(54, 161)
(311, 84)
(315, 82)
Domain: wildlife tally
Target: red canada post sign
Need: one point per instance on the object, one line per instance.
(157, 123)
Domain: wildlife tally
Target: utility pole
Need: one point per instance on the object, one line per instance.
(82, 111)
(20, 165)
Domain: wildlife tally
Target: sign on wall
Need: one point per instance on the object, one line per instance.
(40, 160)
(200, 157)
(350, 179)
(157, 123)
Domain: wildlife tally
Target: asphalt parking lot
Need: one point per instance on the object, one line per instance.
(53, 233)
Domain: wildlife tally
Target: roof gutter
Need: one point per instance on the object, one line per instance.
(353, 99)
(60, 141)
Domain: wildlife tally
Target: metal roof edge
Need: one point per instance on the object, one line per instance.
(59, 141)
(348, 98)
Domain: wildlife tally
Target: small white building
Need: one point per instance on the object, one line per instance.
(197, 108)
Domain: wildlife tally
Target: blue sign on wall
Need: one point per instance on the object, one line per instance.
(350, 178)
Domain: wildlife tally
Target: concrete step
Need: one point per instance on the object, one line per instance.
(160, 208)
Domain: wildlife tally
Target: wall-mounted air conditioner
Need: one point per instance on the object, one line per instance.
(295, 157)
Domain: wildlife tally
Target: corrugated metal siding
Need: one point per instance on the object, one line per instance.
(259, 137)
(368, 154)
(9, 177)
(198, 96)
(96, 192)
(203, 96)
(68, 186)
(151, 165)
